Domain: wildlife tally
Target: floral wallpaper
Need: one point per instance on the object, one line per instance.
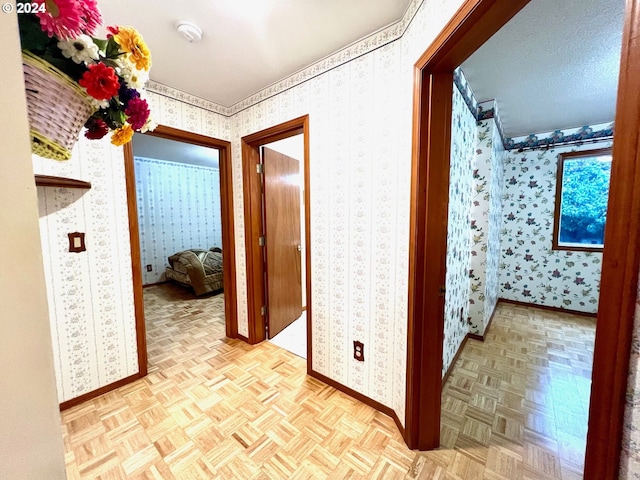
(463, 145)
(178, 208)
(359, 101)
(630, 455)
(91, 293)
(530, 271)
(486, 219)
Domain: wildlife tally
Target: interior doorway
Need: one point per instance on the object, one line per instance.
(283, 207)
(472, 25)
(228, 246)
(276, 220)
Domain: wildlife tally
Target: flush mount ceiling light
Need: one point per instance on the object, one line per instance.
(189, 31)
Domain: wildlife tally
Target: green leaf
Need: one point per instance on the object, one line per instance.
(31, 35)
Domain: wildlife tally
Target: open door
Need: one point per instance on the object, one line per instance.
(281, 209)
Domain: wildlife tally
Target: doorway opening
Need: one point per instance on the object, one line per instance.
(277, 215)
(225, 237)
(283, 191)
(472, 25)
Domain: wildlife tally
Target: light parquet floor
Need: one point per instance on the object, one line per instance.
(516, 406)
(214, 408)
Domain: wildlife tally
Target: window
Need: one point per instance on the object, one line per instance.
(581, 200)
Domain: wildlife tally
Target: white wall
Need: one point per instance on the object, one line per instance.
(294, 147)
(30, 433)
(178, 208)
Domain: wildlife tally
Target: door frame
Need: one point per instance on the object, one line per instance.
(228, 243)
(474, 23)
(253, 222)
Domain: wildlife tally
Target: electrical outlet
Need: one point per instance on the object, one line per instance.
(358, 350)
(149, 268)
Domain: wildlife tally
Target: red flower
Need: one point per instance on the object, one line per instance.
(96, 128)
(138, 112)
(113, 30)
(100, 81)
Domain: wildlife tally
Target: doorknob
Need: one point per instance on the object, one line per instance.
(299, 248)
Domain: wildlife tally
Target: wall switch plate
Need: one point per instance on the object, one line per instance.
(149, 268)
(76, 242)
(358, 350)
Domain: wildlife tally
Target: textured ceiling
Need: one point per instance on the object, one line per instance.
(173, 151)
(247, 44)
(553, 66)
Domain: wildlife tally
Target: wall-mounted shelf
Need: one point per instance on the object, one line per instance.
(49, 181)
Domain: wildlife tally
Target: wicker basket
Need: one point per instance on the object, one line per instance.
(58, 108)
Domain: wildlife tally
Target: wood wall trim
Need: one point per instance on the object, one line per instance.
(428, 268)
(457, 355)
(100, 391)
(620, 264)
(253, 222)
(390, 412)
(474, 23)
(547, 307)
(136, 268)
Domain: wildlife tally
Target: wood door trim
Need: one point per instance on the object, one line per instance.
(253, 222)
(228, 243)
(475, 22)
(620, 263)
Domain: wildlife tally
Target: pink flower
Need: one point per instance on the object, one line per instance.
(62, 18)
(100, 81)
(91, 15)
(69, 18)
(138, 112)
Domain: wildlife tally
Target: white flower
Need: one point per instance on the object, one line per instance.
(149, 126)
(81, 49)
(133, 77)
(97, 104)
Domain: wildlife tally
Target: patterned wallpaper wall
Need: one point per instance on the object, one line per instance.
(486, 219)
(463, 145)
(90, 293)
(360, 106)
(530, 271)
(178, 208)
(630, 455)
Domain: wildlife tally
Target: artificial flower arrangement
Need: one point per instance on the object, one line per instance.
(111, 72)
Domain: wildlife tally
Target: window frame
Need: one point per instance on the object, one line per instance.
(562, 157)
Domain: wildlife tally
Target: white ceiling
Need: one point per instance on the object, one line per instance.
(553, 66)
(247, 44)
(173, 151)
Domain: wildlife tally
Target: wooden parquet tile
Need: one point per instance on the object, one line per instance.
(516, 405)
(214, 408)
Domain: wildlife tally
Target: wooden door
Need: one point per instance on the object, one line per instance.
(282, 240)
